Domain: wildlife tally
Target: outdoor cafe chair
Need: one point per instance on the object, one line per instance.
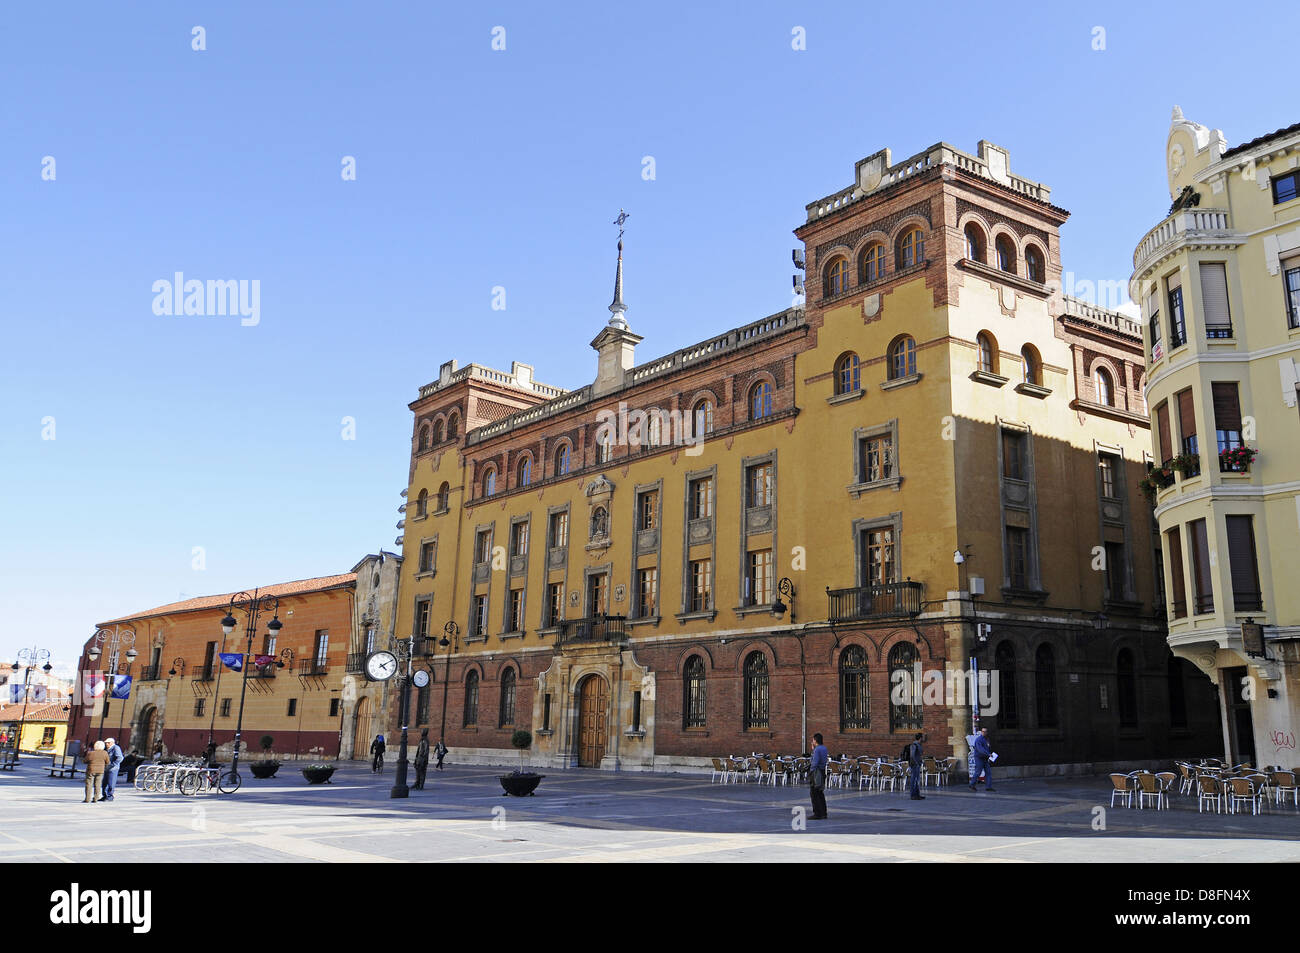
(930, 769)
(1284, 785)
(1150, 787)
(1243, 790)
(1211, 791)
(720, 770)
(1123, 788)
(888, 774)
(1166, 779)
(1186, 781)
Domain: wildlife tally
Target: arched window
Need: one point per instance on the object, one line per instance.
(702, 416)
(524, 475)
(490, 481)
(424, 438)
(873, 263)
(453, 426)
(693, 699)
(974, 242)
(1045, 686)
(848, 374)
(760, 400)
(444, 496)
(1105, 388)
(988, 353)
(1006, 254)
(902, 358)
(837, 277)
(471, 698)
(439, 431)
(563, 459)
(507, 698)
(1030, 365)
(911, 249)
(1126, 683)
(1004, 663)
(855, 693)
(1034, 265)
(756, 691)
(422, 504)
(904, 688)
(604, 447)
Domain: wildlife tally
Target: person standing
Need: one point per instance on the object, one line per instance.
(983, 765)
(422, 759)
(96, 765)
(440, 751)
(914, 763)
(817, 778)
(377, 749)
(114, 765)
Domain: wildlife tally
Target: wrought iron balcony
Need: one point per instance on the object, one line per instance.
(356, 663)
(889, 600)
(311, 666)
(426, 646)
(203, 673)
(150, 673)
(599, 628)
(261, 671)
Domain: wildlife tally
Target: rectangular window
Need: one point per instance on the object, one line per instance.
(423, 608)
(1162, 427)
(647, 592)
(559, 530)
(516, 621)
(225, 708)
(1199, 540)
(322, 648)
(758, 578)
(597, 594)
(701, 498)
(1187, 430)
(1018, 557)
(483, 546)
(198, 706)
(701, 585)
(1013, 455)
(519, 539)
(647, 509)
(1106, 466)
(209, 657)
(1291, 284)
(879, 561)
(636, 711)
(1214, 299)
(546, 712)
(554, 603)
(1243, 565)
(427, 556)
(334, 707)
(293, 707)
(479, 621)
(47, 736)
(1227, 419)
(1286, 187)
(1153, 321)
(876, 458)
(1159, 558)
(1177, 581)
(1115, 570)
(1177, 322)
(759, 485)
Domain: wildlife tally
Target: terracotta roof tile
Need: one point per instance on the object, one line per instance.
(299, 587)
(52, 712)
(1260, 140)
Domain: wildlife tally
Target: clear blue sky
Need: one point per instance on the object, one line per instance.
(475, 168)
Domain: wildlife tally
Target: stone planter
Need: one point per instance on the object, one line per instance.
(318, 775)
(519, 785)
(264, 769)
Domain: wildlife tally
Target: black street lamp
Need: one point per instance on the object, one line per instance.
(453, 630)
(786, 588)
(114, 638)
(29, 657)
(178, 666)
(252, 606)
(405, 651)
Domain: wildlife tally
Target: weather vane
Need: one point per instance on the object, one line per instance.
(622, 217)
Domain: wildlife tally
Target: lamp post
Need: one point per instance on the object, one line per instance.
(453, 630)
(178, 665)
(786, 588)
(114, 639)
(29, 657)
(252, 606)
(405, 651)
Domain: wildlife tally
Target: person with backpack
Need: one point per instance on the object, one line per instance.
(377, 748)
(914, 763)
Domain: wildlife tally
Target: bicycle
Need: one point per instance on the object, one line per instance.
(196, 781)
(377, 766)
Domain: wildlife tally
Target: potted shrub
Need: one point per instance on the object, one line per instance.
(1188, 464)
(267, 767)
(318, 772)
(520, 782)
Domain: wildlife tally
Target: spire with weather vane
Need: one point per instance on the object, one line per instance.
(617, 307)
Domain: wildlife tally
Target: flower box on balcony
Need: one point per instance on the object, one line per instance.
(1236, 459)
(1188, 464)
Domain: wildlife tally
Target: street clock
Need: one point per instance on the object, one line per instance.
(381, 666)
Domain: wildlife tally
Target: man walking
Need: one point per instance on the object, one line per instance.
(440, 751)
(983, 763)
(817, 778)
(114, 765)
(914, 762)
(422, 759)
(96, 765)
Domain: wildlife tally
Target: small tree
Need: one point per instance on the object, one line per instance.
(266, 742)
(521, 740)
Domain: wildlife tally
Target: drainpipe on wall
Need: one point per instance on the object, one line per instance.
(618, 708)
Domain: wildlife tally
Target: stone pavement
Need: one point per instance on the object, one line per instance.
(583, 816)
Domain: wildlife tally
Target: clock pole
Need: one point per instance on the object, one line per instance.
(405, 647)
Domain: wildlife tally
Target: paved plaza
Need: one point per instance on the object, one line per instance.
(583, 816)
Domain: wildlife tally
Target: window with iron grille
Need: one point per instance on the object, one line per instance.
(507, 715)
(1004, 661)
(904, 688)
(1045, 685)
(225, 708)
(198, 706)
(471, 698)
(701, 585)
(693, 700)
(756, 691)
(855, 691)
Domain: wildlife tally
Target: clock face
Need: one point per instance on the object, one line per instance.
(421, 678)
(381, 666)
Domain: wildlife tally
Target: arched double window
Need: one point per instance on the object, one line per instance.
(1034, 265)
(693, 697)
(1045, 686)
(471, 698)
(453, 426)
(837, 276)
(702, 417)
(911, 249)
(439, 431)
(507, 698)
(1004, 663)
(490, 481)
(524, 473)
(974, 242)
(423, 441)
(904, 688)
(872, 267)
(760, 400)
(902, 357)
(988, 353)
(756, 691)
(1105, 388)
(855, 692)
(848, 374)
(1006, 254)
(563, 459)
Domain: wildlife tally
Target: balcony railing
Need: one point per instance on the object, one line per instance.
(599, 628)
(356, 662)
(311, 666)
(262, 671)
(150, 673)
(1204, 604)
(203, 673)
(889, 600)
(426, 646)
(1247, 601)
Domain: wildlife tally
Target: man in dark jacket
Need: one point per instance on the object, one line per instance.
(422, 759)
(914, 762)
(114, 766)
(817, 778)
(982, 763)
(377, 749)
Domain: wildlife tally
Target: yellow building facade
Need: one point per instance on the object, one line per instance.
(1219, 284)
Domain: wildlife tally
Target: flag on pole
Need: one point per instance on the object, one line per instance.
(261, 661)
(92, 687)
(121, 687)
(232, 660)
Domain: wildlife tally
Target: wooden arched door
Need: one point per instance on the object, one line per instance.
(146, 731)
(593, 707)
(361, 730)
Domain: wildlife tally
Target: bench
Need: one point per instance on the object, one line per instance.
(8, 760)
(64, 767)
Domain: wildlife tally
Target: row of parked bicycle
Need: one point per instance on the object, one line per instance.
(190, 776)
